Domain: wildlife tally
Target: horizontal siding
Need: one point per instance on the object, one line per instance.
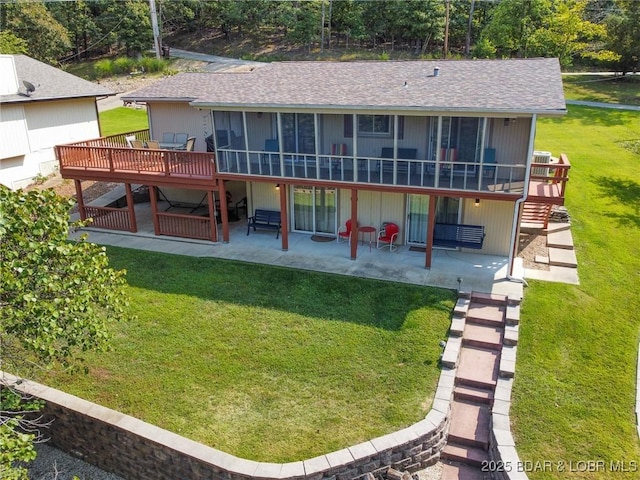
(374, 208)
(511, 140)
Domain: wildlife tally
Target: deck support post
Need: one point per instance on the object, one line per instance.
(153, 197)
(212, 219)
(80, 199)
(224, 212)
(133, 226)
(354, 223)
(284, 216)
(431, 224)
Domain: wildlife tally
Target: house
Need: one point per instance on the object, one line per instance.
(40, 107)
(443, 150)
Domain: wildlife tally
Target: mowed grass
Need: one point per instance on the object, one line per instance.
(267, 363)
(603, 88)
(122, 120)
(575, 386)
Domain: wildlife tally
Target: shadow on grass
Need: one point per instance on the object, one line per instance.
(361, 301)
(597, 116)
(625, 192)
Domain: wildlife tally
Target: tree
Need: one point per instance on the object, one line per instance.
(12, 45)
(47, 39)
(623, 29)
(58, 298)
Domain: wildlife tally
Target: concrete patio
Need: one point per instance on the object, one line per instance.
(480, 273)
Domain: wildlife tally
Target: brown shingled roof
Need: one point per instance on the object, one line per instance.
(511, 86)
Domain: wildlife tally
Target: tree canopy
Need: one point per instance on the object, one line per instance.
(592, 32)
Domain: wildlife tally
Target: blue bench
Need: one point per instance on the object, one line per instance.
(454, 235)
(269, 219)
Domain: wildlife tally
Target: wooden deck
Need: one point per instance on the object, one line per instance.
(549, 189)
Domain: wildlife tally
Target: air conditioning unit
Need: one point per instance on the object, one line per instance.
(541, 157)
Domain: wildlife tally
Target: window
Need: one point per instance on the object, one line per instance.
(374, 125)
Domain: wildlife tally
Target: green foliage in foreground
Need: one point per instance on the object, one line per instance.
(268, 363)
(574, 393)
(122, 120)
(57, 299)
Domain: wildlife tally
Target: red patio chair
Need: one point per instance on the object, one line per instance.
(388, 236)
(344, 232)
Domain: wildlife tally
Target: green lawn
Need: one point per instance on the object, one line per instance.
(122, 120)
(268, 363)
(603, 88)
(574, 392)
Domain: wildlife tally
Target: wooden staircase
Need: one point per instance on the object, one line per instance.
(481, 321)
(535, 215)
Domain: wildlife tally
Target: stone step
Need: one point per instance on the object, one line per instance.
(473, 394)
(560, 239)
(457, 326)
(511, 335)
(460, 471)
(477, 367)
(463, 454)
(461, 307)
(488, 298)
(469, 424)
(512, 315)
(558, 227)
(483, 336)
(561, 257)
(486, 314)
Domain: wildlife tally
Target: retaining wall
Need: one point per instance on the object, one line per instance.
(133, 449)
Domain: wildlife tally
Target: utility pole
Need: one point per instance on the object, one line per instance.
(446, 30)
(154, 26)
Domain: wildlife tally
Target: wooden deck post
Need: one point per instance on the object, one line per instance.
(80, 199)
(284, 217)
(133, 226)
(212, 217)
(224, 212)
(431, 223)
(354, 223)
(153, 196)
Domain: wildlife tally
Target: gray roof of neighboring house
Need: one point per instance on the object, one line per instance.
(50, 83)
(491, 86)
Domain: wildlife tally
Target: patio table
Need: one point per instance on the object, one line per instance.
(172, 146)
(367, 229)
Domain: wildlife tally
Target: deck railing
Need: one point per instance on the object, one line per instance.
(188, 226)
(375, 170)
(556, 173)
(142, 161)
(109, 218)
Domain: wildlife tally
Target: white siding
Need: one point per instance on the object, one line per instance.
(8, 78)
(59, 122)
(497, 218)
(180, 118)
(14, 140)
(263, 195)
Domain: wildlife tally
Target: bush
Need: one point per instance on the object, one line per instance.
(484, 49)
(104, 68)
(150, 64)
(124, 65)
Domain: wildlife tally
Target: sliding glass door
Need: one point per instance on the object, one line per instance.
(314, 210)
(447, 211)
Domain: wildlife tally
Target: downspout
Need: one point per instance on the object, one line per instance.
(515, 226)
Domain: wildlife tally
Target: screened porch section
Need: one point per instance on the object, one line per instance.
(431, 152)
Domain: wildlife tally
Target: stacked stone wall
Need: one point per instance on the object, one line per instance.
(133, 449)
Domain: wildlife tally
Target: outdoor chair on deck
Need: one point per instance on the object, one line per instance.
(153, 144)
(388, 236)
(167, 137)
(137, 144)
(344, 232)
(191, 141)
(181, 138)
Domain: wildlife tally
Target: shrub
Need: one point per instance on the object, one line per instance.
(104, 68)
(150, 64)
(124, 65)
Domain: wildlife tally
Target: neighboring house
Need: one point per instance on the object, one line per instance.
(426, 145)
(40, 107)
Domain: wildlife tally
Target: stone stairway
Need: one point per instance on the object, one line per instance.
(483, 325)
